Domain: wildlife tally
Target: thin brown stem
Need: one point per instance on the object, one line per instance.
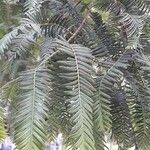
(78, 30)
(77, 3)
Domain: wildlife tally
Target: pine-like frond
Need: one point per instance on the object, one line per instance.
(31, 109)
(100, 143)
(31, 3)
(57, 26)
(2, 124)
(61, 92)
(28, 24)
(6, 40)
(141, 118)
(131, 23)
(21, 44)
(112, 46)
(140, 103)
(139, 6)
(136, 5)
(137, 96)
(47, 48)
(77, 70)
(24, 35)
(121, 120)
(102, 100)
(102, 116)
(128, 22)
(59, 116)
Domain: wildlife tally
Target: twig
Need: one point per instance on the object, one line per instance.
(78, 30)
(77, 3)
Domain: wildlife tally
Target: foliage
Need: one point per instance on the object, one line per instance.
(67, 68)
(2, 127)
